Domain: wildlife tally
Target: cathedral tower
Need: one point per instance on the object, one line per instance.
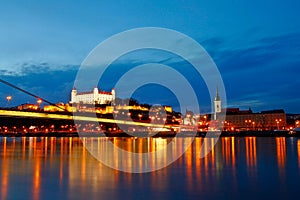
(217, 105)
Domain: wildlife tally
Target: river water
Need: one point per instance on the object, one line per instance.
(237, 167)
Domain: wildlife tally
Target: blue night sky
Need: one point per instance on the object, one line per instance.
(255, 44)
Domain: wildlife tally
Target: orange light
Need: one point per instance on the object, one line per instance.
(8, 98)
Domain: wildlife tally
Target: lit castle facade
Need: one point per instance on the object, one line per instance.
(91, 97)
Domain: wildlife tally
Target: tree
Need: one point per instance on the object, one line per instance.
(118, 101)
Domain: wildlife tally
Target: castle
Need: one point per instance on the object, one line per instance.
(95, 96)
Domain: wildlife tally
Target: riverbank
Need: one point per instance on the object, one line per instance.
(275, 133)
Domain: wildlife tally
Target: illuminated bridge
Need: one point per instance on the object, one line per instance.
(15, 120)
(57, 116)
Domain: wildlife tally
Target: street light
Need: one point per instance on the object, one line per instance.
(253, 123)
(140, 116)
(8, 98)
(277, 122)
(129, 115)
(39, 101)
(248, 123)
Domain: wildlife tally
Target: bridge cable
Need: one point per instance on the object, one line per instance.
(31, 94)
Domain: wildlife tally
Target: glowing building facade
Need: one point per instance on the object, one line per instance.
(95, 96)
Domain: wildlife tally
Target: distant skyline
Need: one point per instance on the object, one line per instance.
(256, 46)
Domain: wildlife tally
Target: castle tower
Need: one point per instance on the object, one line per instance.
(113, 93)
(73, 95)
(95, 95)
(217, 105)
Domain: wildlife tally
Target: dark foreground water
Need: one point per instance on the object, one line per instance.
(61, 168)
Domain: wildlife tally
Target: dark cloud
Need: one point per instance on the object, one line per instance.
(262, 74)
(45, 81)
(268, 66)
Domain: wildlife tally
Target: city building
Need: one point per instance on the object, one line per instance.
(237, 119)
(28, 106)
(95, 96)
(59, 107)
(297, 123)
(189, 118)
(293, 120)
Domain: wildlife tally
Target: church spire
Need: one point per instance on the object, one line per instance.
(217, 98)
(217, 104)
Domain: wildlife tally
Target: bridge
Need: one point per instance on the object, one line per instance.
(7, 113)
(42, 115)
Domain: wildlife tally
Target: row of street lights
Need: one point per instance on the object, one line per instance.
(249, 123)
(9, 98)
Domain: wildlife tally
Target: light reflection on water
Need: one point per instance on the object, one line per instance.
(61, 168)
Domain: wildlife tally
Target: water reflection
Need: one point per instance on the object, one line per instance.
(49, 168)
(251, 151)
(5, 171)
(228, 150)
(281, 156)
(281, 152)
(137, 154)
(298, 148)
